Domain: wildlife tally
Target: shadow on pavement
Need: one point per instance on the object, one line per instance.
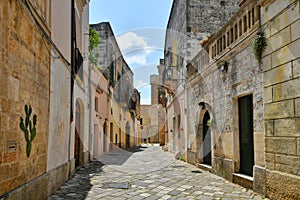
(80, 184)
(119, 156)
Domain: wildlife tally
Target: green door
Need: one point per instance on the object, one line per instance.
(246, 135)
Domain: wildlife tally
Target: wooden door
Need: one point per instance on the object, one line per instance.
(246, 135)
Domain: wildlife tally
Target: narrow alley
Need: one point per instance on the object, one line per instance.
(147, 173)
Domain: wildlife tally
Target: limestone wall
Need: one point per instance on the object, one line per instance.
(25, 79)
(220, 81)
(281, 63)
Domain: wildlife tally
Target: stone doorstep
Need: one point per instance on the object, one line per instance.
(204, 167)
(243, 180)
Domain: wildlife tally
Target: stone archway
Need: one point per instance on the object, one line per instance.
(204, 136)
(79, 133)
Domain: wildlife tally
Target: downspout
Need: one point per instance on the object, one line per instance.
(72, 77)
(90, 68)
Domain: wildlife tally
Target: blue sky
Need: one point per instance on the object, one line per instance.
(139, 26)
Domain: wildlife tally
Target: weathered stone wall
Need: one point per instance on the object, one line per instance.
(281, 64)
(191, 21)
(120, 82)
(217, 88)
(208, 16)
(25, 79)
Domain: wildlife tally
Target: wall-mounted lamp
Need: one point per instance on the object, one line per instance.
(224, 67)
(169, 72)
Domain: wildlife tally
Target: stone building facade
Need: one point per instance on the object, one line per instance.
(189, 23)
(281, 66)
(123, 120)
(225, 88)
(36, 70)
(242, 120)
(25, 76)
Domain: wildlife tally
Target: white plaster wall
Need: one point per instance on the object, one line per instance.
(59, 120)
(61, 26)
(59, 123)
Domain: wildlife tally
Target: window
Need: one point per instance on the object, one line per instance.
(96, 104)
(141, 121)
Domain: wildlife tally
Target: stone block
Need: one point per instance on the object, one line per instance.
(279, 110)
(281, 185)
(286, 54)
(285, 18)
(259, 179)
(281, 145)
(287, 127)
(287, 90)
(277, 75)
(295, 30)
(270, 161)
(36, 189)
(191, 157)
(278, 40)
(298, 146)
(269, 128)
(223, 167)
(268, 94)
(296, 68)
(288, 164)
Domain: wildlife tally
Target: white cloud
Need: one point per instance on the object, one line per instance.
(140, 84)
(134, 48)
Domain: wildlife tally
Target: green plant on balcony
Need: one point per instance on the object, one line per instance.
(259, 44)
(29, 128)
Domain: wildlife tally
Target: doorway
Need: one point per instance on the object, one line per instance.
(206, 139)
(127, 135)
(174, 135)
(104, 137)
(78, 146)
(245, 105)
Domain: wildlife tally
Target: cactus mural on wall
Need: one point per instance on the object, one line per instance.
(31, 132)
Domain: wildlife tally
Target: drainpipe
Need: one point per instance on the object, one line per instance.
(90, 112)
(73, 35)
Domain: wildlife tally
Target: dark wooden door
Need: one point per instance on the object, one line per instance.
(246, 135)
(77, 136)
(104, 137)
(206, 139)
(76, 148)
(127, 135)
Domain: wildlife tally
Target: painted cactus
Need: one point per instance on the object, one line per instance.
(31, 132)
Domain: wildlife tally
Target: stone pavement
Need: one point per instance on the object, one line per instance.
(148, 173)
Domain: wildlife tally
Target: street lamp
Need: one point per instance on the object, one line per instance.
(169, 72)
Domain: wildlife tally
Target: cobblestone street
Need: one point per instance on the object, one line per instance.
(149, 173)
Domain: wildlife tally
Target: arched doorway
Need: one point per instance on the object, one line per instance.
(127, 135)
(105, 136)
(206, 139)
(78, 146)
